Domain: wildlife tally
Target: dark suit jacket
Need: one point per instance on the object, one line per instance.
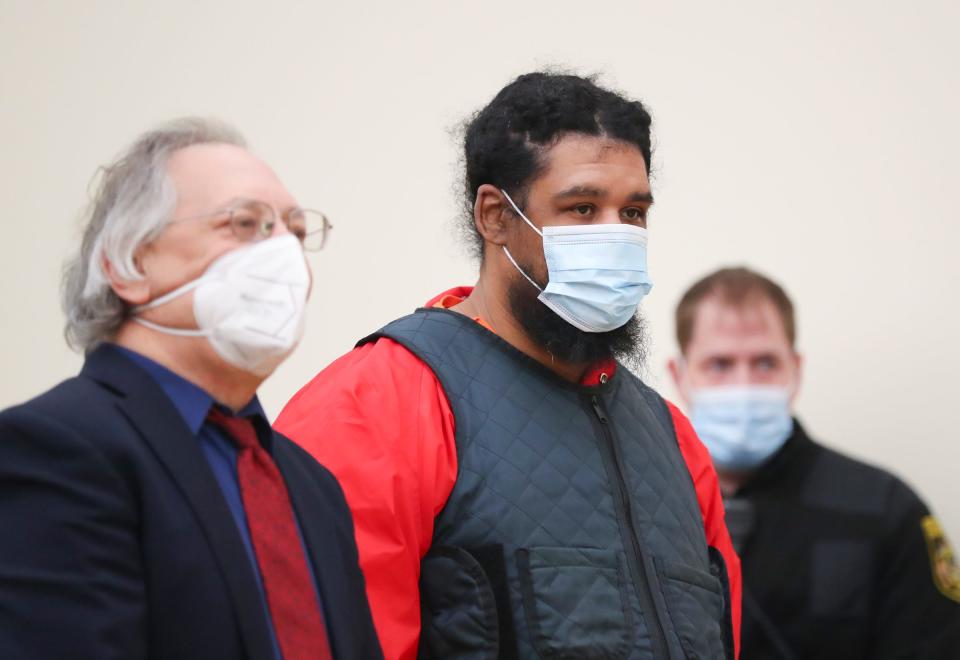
(116, 541)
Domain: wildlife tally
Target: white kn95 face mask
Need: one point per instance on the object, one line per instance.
(249, 304)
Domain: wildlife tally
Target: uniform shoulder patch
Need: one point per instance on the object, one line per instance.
(943, 563)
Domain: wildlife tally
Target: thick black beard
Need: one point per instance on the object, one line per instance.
(627, 344)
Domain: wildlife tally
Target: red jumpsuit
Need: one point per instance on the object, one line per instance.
(379, 420)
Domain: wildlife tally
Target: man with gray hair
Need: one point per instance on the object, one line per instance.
(149, 510)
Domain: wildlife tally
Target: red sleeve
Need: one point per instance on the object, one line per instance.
(711, 508)
(379, 420)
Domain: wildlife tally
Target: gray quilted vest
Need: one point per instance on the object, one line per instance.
(573, 530)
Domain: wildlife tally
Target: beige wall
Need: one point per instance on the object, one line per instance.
(817, 141)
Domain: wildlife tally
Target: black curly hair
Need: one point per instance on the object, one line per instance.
(506, 143)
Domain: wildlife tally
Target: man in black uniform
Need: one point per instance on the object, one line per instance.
(840, 559)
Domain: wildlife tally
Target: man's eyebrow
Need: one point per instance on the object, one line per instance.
(590, 191)
(236, 201)
(240, 202)
(580, 191)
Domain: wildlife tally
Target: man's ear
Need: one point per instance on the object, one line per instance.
(132, 292)
(675, 368)
(490, 214)
(798, 369)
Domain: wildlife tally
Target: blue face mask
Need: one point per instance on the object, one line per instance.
(741, 426)
(596, 274)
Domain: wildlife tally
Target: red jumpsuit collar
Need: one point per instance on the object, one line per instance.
(598, 374)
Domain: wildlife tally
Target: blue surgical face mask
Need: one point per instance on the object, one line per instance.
(741, 426)
(596, 274)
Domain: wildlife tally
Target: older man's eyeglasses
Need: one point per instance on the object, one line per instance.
(253, 220)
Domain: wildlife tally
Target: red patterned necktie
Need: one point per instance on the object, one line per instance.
(287, 581)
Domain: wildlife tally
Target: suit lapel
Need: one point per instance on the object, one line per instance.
(158, 421)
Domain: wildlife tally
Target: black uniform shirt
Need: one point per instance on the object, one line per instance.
(840, 560)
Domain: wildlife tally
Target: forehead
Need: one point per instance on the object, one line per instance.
(205, 175)
(577, 159)
(753, 325)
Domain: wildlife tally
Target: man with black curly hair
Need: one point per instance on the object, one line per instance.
(517, 491)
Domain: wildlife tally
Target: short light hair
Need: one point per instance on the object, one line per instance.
(736, 287)
(134, 200)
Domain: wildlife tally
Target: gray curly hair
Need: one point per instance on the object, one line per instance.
(133, 203)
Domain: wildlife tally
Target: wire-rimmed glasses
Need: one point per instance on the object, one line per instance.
(252, 220)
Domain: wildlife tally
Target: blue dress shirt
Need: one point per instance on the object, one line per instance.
(194, 404)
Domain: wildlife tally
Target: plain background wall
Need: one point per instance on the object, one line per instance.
(816, 141)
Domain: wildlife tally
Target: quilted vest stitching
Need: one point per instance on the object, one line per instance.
(532, 482)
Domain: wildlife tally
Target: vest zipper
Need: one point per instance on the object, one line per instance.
(635, 561)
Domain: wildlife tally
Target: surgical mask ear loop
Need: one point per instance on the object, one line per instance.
(515, 265)
(507, 252)
(520, 213)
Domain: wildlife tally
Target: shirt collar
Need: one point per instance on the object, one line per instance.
(191, 401)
